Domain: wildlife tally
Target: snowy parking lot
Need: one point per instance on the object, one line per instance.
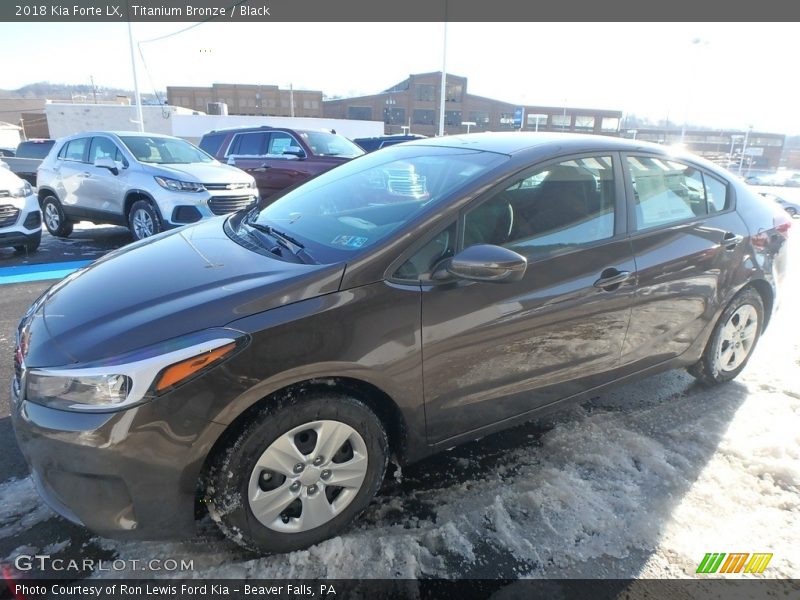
(641, 481)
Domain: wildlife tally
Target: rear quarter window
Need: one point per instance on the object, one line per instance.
(34, 149)
(212, 142)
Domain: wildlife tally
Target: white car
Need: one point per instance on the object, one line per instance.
(147, 182)
(20, 217)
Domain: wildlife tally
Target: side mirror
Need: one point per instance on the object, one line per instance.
(294, 151)
(107, 163)
(485, 262)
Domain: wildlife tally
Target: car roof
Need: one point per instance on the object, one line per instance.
(248, 128)
(516, 142)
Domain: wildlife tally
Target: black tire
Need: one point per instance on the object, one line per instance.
(232, 472)
(31, 246)
(712, 368)
(54, 217)
(792, 212)
(144, 220)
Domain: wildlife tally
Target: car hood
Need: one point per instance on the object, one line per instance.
(9, 181)
(215, 172)
(170, 285)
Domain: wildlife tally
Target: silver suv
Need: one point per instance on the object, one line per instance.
(147, 182)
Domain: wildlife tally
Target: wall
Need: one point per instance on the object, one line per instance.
(192, 127)
(9, 136)
(66, 119)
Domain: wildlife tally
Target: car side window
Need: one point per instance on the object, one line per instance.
(716, 194)
(103, 148)
(249, 144)
(557, 207)
(426, 259)
(76, 150)
(666, 191)
(279, 143)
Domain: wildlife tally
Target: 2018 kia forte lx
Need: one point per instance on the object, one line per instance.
(406, 301)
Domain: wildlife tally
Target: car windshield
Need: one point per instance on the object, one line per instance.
(163, 151)
(330, 144)
(360, 203)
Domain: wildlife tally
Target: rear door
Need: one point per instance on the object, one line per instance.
(72, 169)
(687, 242)
(492, 351)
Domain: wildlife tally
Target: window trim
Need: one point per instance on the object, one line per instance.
(730, 196)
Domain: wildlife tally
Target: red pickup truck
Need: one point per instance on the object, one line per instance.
(279, 158)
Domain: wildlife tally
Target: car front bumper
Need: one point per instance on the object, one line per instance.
(126, 474)
(181, 208)
(25, 226)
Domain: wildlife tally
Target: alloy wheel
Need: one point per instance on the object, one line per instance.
(52, 218)
(737, 338)
(142, 224)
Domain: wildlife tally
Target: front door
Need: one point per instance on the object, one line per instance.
(492, 351)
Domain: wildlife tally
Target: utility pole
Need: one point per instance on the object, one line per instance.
(291, 99)
(94, 90)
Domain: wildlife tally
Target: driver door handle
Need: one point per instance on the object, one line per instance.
(610, 278)
(730, 240)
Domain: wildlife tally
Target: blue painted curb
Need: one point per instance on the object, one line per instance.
(43, 272)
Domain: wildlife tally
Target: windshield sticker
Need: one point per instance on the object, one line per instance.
(349, 241)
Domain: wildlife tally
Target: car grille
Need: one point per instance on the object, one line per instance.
(226, 186)
(8, 215)
(4, 193)
(222, 205)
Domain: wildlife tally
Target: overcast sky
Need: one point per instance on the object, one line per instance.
(728, 74)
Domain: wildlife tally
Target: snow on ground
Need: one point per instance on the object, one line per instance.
(642, 481)
(20, 508)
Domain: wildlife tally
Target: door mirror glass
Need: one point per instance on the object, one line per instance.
(295, 151)
(485, 262)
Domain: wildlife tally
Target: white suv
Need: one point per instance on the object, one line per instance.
(147, 182)
(20, 219)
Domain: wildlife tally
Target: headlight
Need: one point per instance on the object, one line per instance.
(179, 186)
(133, 378)
(94, 390)
(23, 192)
(252, 185)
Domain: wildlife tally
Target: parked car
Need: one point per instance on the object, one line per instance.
(793, 208)
(147, 182)
(376, 143)
(277, 157)
(20, 218)
(780, 178)
(270, 363)
(7, 152)
(28, 157)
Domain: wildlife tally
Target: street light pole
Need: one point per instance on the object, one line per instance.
(137, 96)
(696, 43)
(744, 148)
(444, 81)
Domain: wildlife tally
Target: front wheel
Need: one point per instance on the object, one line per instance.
(54, 218)
(30, 246)
(297, 475)
(144, 220)
(734, 338)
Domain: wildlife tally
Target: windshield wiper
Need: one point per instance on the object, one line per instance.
(285, 239)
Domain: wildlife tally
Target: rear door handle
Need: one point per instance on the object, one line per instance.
(730, 240)
(610, 278)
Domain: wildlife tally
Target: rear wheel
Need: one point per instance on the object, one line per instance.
(144, 220)
(299, 474)
(54, 218)
(734, 338)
